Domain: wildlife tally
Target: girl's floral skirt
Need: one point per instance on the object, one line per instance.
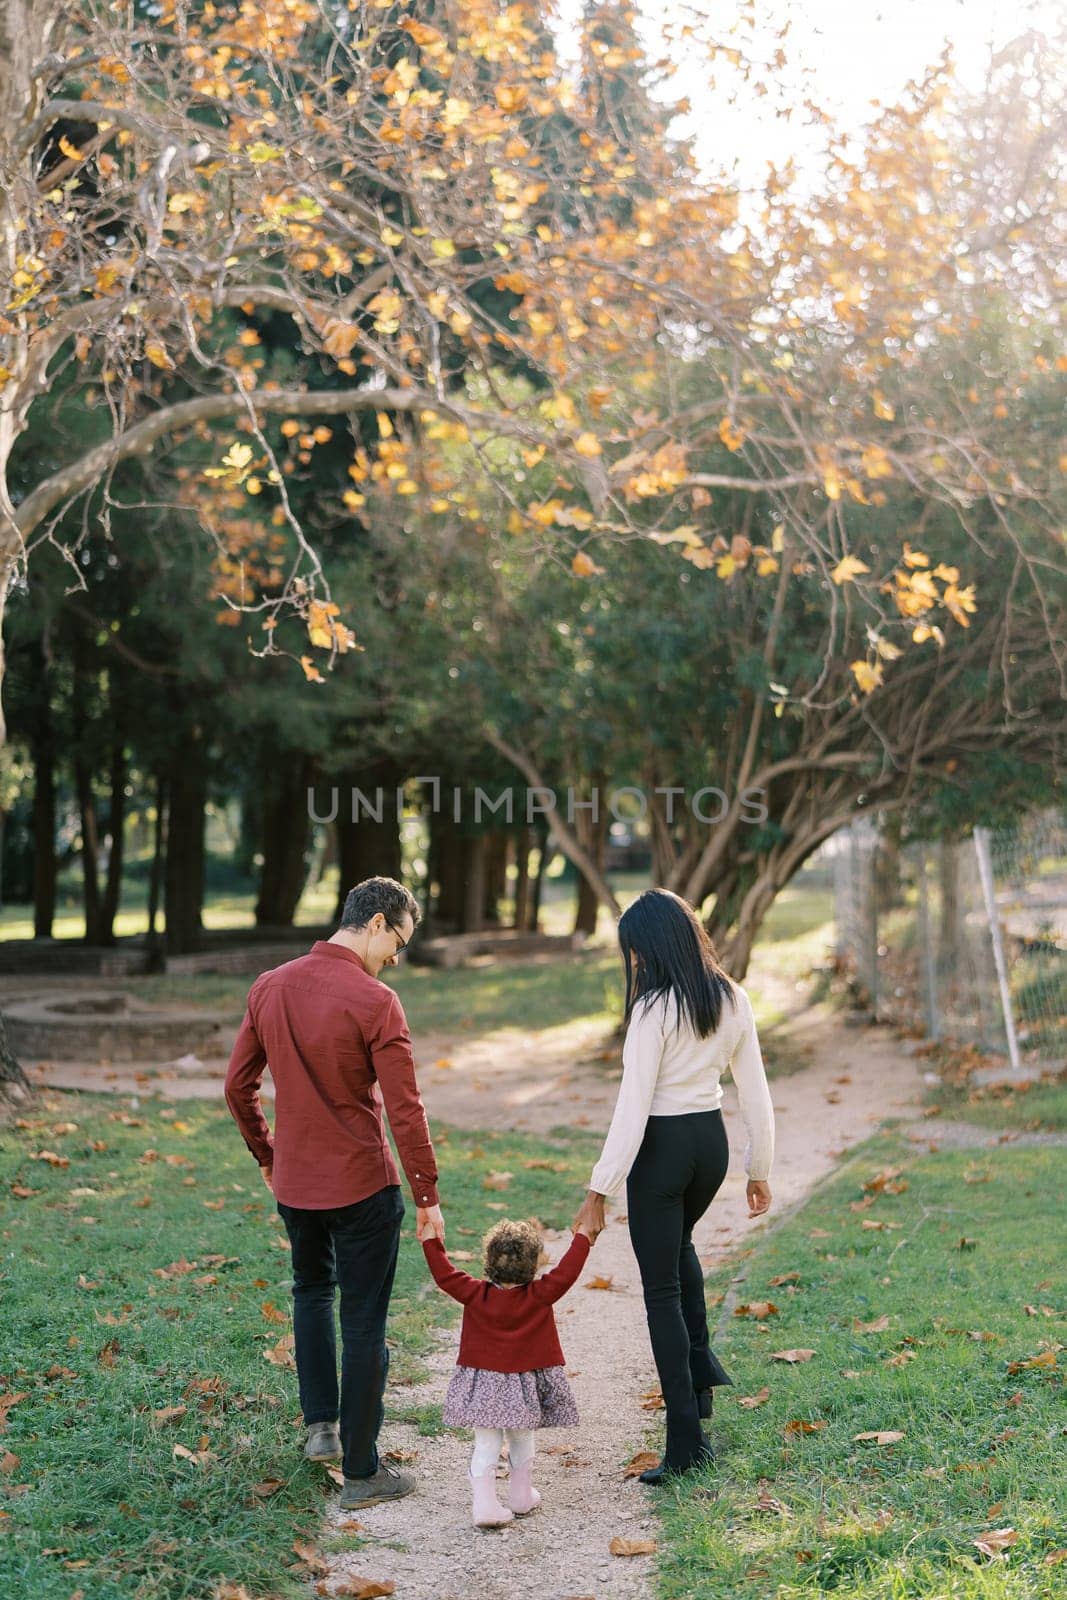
(477, 1398)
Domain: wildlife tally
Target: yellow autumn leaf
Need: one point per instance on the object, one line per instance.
(765, 565)
(456, 112)
(584, 566)
(924, 631)
(587, 444)
(391, 237)
(443, 248)
(259, 152)
(339, 338)
(726, 566)
(731, 434)
(311, 671)
(882, 407)
(887, 650)
(876, 464)
(832, 484)
(70, 150)
(778, 539)
(385, 424)
(915, 558)
(959, 602)
(847, 568)
(867, 676)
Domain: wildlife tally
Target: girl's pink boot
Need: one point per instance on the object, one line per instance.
(523, 1497)
(486, 1510)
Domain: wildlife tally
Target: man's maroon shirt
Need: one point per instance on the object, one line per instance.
(337, 1044)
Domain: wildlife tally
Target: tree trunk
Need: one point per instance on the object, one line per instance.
(497, 846)
(155, 877)
(948, 938)
(473, 859)
(83, 785)
(592, 835)
(183, 879)
(116, 827)
(284, 839)
(522, 878)
(368, 848)
(544, 858)
(446, 868)
(44, 806)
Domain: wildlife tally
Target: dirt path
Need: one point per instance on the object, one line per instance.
(425, 1544)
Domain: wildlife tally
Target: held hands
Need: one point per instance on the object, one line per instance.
(759, 1197)
(590, 1219)
(429, 1224)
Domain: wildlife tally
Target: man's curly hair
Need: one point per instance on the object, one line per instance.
(512, 1252)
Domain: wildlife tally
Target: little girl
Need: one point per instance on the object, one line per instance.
(509, 1376)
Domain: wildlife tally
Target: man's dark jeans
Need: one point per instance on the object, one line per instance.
(353, 1248)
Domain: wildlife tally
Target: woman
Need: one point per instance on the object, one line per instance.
(686, 1022)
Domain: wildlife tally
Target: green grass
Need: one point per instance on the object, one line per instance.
(100, 1330)
(973, 1239)
(1038, 1105)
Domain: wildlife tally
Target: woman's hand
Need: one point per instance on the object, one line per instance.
(759, 1197)
(590, 1219)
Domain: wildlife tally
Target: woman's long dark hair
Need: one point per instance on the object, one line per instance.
(675, 957)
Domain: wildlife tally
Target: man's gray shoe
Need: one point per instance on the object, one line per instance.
(385, 1484)
(323, 1442)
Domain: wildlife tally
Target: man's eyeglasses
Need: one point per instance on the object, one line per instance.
(401, 944)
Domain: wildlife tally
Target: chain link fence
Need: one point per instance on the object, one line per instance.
(964, 940)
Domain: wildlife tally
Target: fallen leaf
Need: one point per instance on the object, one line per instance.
(281, 1354)
(879, 1325)
(9, 1463)
(600, 1283)
(759, 1309)
(107, 1353)
(1054, 1558)
(20, 1191)
(880, 1436)
(641, 1462)
(751, 1401)
(799, 1425)
(358, 1588)
(885, 1182)
(269, 1486)
(902, 1359)
(337, 1475)
(272, 1314)
(992, 1544)
(632, 1547)
(652, 1400)
(784, 1277)
(167, 1415)
(967, 1244)
(792, 1356)
(226, 1589)
(310, 1557)
(496, 1180)
(1047, 1358)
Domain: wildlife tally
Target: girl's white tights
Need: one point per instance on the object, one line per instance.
(488, 1443)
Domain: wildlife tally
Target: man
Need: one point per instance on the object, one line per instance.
(337, 1043)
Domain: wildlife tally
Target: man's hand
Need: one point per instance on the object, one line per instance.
(429, 1224)
(590, 1219)
(759, 1197)
(268, 1177)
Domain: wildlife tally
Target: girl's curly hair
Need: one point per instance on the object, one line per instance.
(512, 1252)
